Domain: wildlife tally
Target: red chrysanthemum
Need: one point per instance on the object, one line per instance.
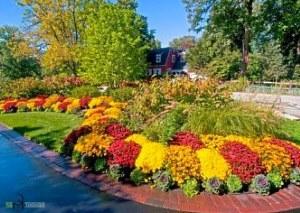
(289, 148)
(123, 153)
(117, 131)
(187, 139)
(84, 102)
(64, 105)
(244, 162)
(10, 106)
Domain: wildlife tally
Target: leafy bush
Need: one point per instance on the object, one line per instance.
(137, 177)
(76, 157)
(116, 172)
(234, 184)
(239, 119)
(261, 185)
(162, 180)
(83, 91)
(191, 187)
(295, 176)
(86, 161)
(275, 179)
(121, 94)
(164, 129)
(214, 185)
(100, 165)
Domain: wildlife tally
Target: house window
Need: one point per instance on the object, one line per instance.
(157, 71)
(158, 58)
(173, 59)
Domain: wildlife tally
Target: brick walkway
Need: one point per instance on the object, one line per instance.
(286, 200)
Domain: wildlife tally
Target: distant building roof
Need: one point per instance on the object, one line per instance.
(164, 52)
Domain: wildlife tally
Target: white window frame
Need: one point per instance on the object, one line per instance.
(158, 58)
(173, 59)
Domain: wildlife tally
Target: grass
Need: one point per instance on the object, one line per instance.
(292, 128)
(47, 128)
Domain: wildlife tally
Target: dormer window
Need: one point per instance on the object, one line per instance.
(158, 58)
(173, 59)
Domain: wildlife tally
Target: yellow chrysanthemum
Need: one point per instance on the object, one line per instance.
(151, 157)
(139, 139)
(93, 145)
(183, 163)
(212, 164)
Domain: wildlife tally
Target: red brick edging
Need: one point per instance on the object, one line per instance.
(286, 200)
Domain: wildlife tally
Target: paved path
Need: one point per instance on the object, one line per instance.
(288, 105)
(16, 172)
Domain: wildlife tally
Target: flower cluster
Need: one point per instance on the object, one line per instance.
(187, 139)
(289, 148)
(139, 139)
(123, 153)
(117, 131)
(183, 163)
(93, 145)
(212, 164)
(213, 141)
(151, 157)
(243, 162)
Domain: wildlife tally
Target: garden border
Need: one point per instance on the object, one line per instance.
(286, 200)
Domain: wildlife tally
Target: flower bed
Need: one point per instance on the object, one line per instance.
(216, 164)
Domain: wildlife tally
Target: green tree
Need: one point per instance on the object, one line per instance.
(283, 20)
(116, 44)
(185, 42)
(236, 19)
(13, 65)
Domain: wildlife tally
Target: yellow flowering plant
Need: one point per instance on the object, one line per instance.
(213, 164)
(93, 145)
(138, 138)
(213, 141)
(99, 101)
(74, 106)
(151, 157)
(183, 163)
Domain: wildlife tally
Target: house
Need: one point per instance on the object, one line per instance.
(166, 61)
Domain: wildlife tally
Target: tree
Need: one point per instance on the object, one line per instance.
(234, 18)
(116, 44)
(283, 20)
(57, 28)
(17, 58)
(185, 42)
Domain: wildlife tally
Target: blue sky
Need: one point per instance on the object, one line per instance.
(167, 17)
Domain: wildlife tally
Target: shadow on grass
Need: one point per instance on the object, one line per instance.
(50, 139)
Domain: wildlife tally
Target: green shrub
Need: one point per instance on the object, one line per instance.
(137, 177)
(234, 184)
(121, 94)
(162, 180)
(275, 179)
(191, 187)
(100, 165)
(116, 172)
(76, 156)
(86, 161)
(295, 176)
(240, 119)
(163, 129)
(83, 91)
(261, 185)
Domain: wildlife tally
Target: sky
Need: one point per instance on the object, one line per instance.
(167, 17)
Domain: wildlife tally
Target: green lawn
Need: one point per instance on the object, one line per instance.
(293, 130)
(46, 128)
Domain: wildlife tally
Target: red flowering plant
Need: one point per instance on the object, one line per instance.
(10, 106)
(62, 107)
(244, 162)
(84, 102)
(123, 153)
(187, 139)
(293, 151)
(72, 138)
(117, 131)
